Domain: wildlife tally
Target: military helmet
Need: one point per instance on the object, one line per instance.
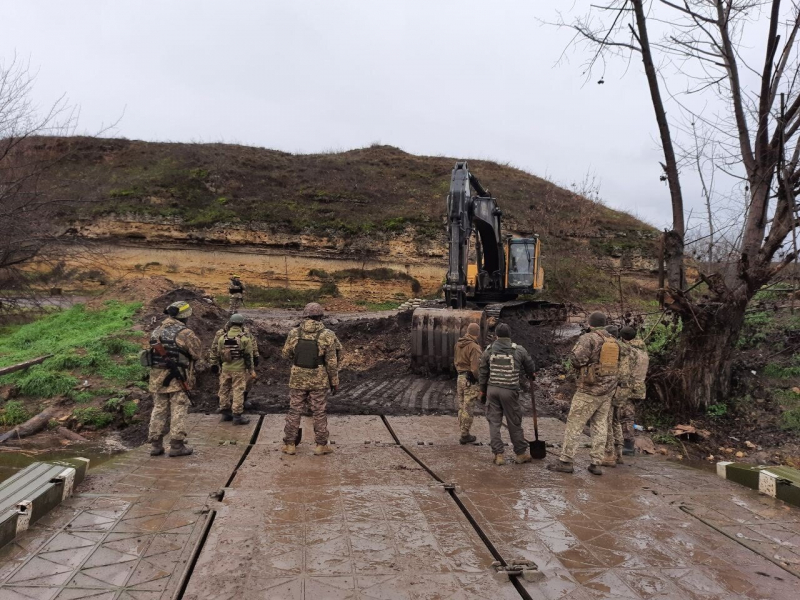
(627, 333)
(179, 310)
(313, 309)
(613, 330)
(502, 331)
(235, 276)
(597, 319)
(236, 319)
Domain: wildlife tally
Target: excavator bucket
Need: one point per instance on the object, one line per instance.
(434, 333)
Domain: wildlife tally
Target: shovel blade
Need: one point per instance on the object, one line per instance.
(538, 449)
(299, 437)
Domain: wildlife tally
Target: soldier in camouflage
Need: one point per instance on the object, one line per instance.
(641, 363)
(236, 291)
(256, 356)
(171, 376)
(315, 352)
(499, 374)
(620, 400)
(596, 357)
(467, 360)
(232, 357)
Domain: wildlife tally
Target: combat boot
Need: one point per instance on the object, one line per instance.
(499, 460)
(289, 449)
(561, 467)
(321, 449)
(178, 448)
(240, 420)
(522, 458)
(227, 415)
(629, 447)
(595, 470)
(610, 460)
(467, 439)
(157, 448)
(247, 404)
(618, 455)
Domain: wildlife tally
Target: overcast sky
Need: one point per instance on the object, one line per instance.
(457, 78)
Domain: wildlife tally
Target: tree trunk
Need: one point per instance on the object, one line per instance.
(699, 373)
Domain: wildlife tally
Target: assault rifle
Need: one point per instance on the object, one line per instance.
(174, 369)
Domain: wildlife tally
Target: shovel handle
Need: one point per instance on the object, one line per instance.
(535, 420)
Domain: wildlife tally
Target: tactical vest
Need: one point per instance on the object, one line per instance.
(504, 369)
(306, 353)
(235, 287)
(168, 337)
(608, 363)
(232, 348)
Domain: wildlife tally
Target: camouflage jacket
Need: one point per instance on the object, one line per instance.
(233, 285)
(245, 363)
(327, 374)
(190, 343)
(626, 362)
(584, 355)
(641, 363)
(213, 355)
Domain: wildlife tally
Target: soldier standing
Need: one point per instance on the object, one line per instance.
(236, 291)
(174, 349)
(467, 360)
(232, 357)
(502, 365)
(640, 362)
(315, 354)
(214, 359)
(620, 400)
(596, 356)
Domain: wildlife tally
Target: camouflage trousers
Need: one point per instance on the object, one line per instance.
(593, 409)
(297, 403)
(237, 302)
(232, 386)
(169, 408)
(614, 437)
(467, 395)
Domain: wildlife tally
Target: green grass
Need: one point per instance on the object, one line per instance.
(13, 414)
(790, 417)
(84, 343)
(376, 306)
(778, 371)
(664, 438)
(93, 416)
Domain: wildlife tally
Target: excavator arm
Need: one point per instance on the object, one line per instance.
(468, 214)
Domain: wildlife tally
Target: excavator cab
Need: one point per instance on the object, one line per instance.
(524, 275)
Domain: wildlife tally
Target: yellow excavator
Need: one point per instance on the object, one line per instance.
(487, 273)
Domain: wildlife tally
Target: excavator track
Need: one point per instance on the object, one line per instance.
(532, 311)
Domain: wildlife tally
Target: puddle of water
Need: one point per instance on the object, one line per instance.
(13, 462)
(696, 463)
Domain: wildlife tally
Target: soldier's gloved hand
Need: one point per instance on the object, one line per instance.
(334, 390)
(256, 360)
(215, 369)
(482, 397)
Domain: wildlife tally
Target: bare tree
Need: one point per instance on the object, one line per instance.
(755, 131)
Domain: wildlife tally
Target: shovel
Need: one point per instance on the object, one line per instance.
(538, 448)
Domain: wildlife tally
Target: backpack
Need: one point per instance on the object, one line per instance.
(306, 353)
(168, 337)
(609, 358)
(232, 348)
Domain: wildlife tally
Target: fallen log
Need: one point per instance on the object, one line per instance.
(23, 365)
(29, 427)
(70, 435)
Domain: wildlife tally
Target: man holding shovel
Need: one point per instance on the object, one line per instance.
(502, 365)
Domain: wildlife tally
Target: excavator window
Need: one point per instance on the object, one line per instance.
(521, 264)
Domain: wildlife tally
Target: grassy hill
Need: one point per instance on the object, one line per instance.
(364, 194)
